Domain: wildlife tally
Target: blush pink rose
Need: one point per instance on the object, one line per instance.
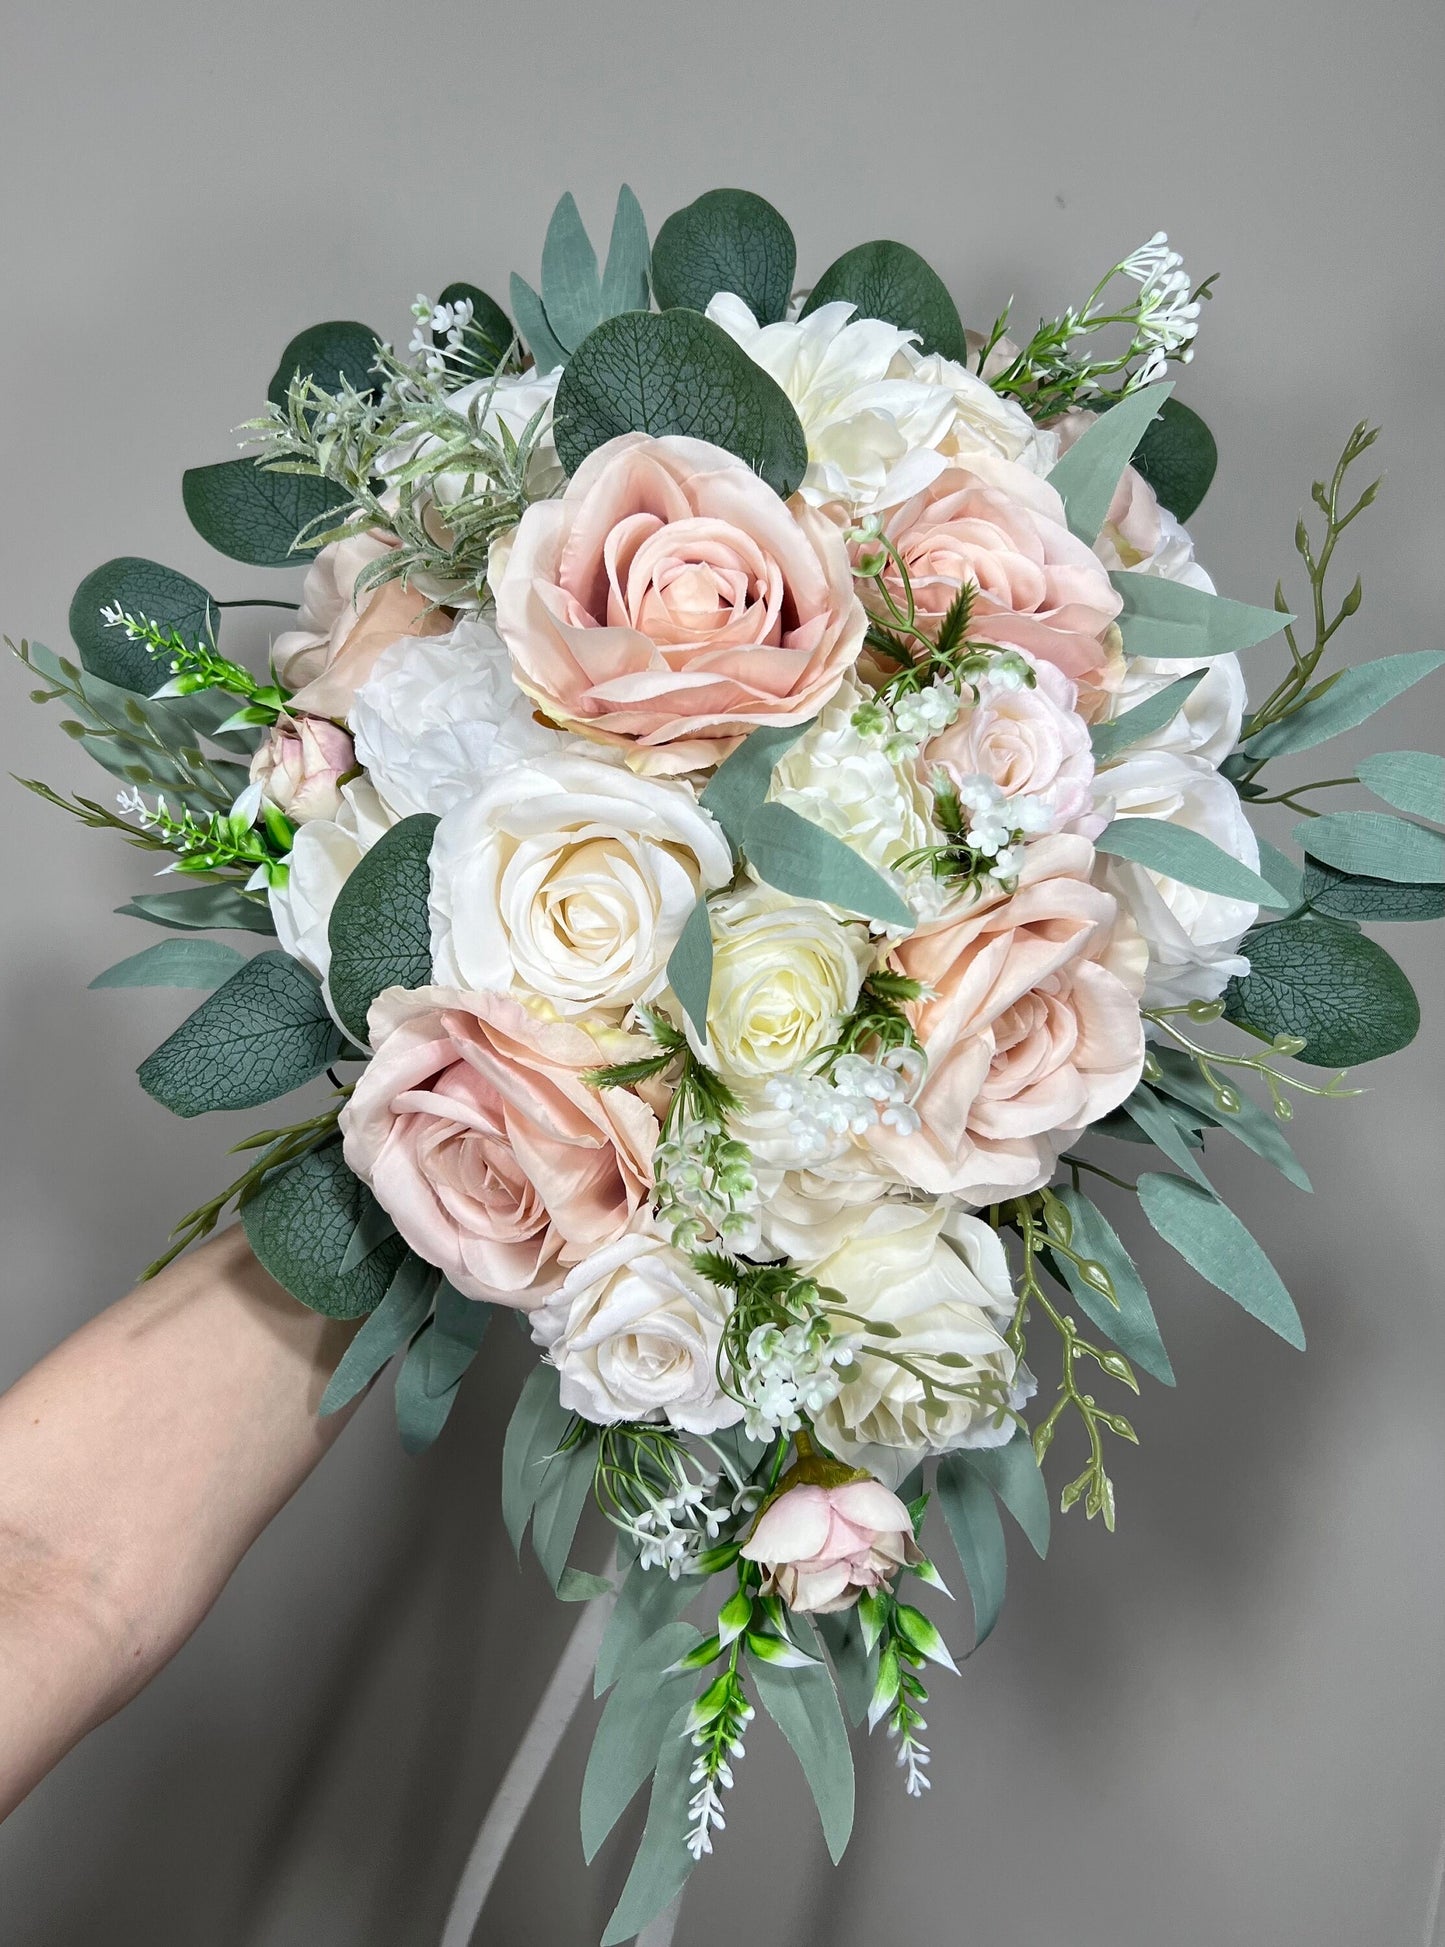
(1132, 530)
(301, 767)
(493, 1157)
(1037, 588)
(1031, 1027)
(823, 1547)
(1030, 743)
(669, 602)
(339, 633)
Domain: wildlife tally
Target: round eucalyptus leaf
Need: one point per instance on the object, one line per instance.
(140, 587)
(890, 281)
(1177, 456)
(380, 928)
(728, 240)
(325, 353)
(1344, 895)
(1327, 983)
(300, 1224)
(254, 514)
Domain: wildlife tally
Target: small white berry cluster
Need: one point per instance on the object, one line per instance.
(673, 1529)
(998, 825)
(440, 328)
(824, 1112)
(792, 1370)
(1168, 317)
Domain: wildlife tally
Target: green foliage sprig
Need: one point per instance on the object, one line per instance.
(197, 666)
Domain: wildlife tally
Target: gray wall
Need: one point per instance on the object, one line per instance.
(1223, 1726)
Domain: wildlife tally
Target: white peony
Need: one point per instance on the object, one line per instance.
(1191, 935)
(785, 971)
(325, 854)
(868, 401)
(569, 880)
(943, 1280)
(634, 1333)
(438, 714)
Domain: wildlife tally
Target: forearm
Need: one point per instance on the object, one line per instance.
(138, 1462)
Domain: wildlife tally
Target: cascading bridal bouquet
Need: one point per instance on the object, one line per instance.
(753, 813)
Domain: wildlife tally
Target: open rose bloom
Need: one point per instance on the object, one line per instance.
(755, 813)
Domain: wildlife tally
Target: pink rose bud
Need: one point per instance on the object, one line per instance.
(823, 1547)
(301, 765)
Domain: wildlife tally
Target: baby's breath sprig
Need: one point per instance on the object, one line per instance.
(197, 666)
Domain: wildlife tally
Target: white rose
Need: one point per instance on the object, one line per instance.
(325, 854)
(836, 778)
(1191, 935)
(634, 1333)
(438, 714)
(784, 973)
(943, 1280)
(569, 880)
(868, 400)
(809, 1212)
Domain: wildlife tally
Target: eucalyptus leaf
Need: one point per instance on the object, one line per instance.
(624, 280)
(534, 1433)
(1149, 1113)
(1178, 456)
(1172, 621)
(1282, 872)
(262, 1034)
(300, 1223)
(663, 1862)
(1131, 1325)
(648, 1600)
(578, 1585)
(1351, 698)
(971, 1515)
(565, 1490)
(547, 354)
(891, 281)
(1210, 1238)
(1188, 856)
(1108, 739)
(631, 1729)
(1013, 1474)
(1088, 473)
(854, 1665)
(740, 783)
(1344, 895)
(727, 240)
(799, 857)
(1411, 780)
(175, 963)
(1329, 984)
(677, 373)
(1255, 1127)
(325, 354)
(140, 587)
(571, 287)
(804, 1705)
(689, 966)
(459, 1326)
(254, 513)
(380, 926)
(1375, 845)
(207, 909)
(399, 1313)
(373, 1226)
(420, 1413)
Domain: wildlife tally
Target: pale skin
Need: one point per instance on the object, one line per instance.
(138, 1462)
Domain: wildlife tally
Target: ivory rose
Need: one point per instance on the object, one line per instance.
(634, 1333)
(569, 881)
(492, 1155)
(824, 1546)
(670, 602)
(339, 633)
(992, 523)
(300, 767)
(1030, 743)
(1030, 1035)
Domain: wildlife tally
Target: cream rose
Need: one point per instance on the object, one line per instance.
(1031, 743)
(300, 767)
(670, 602)
(325, 854)
(784, 973)
(492, 1155)
(1031, 1026)
(340, 633)
(569, 880)
(634, 1333)
(942, 1279)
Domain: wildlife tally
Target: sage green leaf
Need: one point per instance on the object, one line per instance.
(800, 858)
(1146, 1110)
(632, 1726)
(547, 354)
(1375, 845)
(1255, 1127)
(728, 240)
(488, 337)
(1108, 739)
(1132, 1325)
(1013, 1474)
(663, 1862)
(854, 1665)
(401, 1309)
(1187, 856)
(373, 1227)
(1087, 475)
(299, 1224)
(140, 587)
(1282, 872)
(1329, 984)
(1410, 780)
(689, 966)
(565, 1490)
(380, 928)
(420, 1414)
(1343, 895)
(1351, 698)
(890, 281)
(255, 514)
(972, 1519)
(571, 288)
(577, 1585)
(677, 373)
(740, 783)
(174, 963)
(264, 1033)
(326, 354)
(624, 281)
(217, 908)
(1169, 619)
(804, 1706)
(535, 1431)
(1210, 1238)
(648, 1600)
(459, 1325)
(1177, 456)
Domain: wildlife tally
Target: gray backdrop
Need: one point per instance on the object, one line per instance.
(1222, 1726)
